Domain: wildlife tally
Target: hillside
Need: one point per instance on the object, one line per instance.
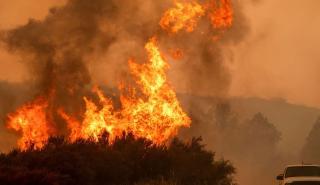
(293, 121)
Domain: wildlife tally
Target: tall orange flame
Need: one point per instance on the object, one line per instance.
(160, 115)
(32, 122)
(153, 113)
(156, 116)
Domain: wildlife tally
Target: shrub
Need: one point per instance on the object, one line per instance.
(127, 161)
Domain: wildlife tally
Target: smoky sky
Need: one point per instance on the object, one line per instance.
(82, 43)
(279, 58)
(268, 63)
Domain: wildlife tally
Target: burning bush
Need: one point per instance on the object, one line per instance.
(126, 161)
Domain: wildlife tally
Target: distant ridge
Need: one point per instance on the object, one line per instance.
(293, 121)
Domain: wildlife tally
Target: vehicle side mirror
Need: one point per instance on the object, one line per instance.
(280, 177)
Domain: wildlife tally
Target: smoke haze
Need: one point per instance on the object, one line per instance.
(256, 69)
(280, 58)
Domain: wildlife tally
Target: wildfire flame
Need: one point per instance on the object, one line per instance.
(184, 16)
(154, 113)
(156, 116)
(31, 121)
(221, 15)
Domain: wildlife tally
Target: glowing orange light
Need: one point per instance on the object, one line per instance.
(221, 15)
(31, 121)
(156, 116)
(183, 16)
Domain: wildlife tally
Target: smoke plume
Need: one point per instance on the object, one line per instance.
(62, 51)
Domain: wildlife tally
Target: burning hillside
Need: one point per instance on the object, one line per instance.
(148, 108)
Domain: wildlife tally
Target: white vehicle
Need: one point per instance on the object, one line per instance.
(300, 175)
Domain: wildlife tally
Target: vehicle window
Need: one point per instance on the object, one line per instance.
(297, 171)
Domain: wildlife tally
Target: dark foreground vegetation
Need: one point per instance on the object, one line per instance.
(127, 161)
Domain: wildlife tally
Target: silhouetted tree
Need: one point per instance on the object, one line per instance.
(311, 149)
(261, 135)
(250, 143)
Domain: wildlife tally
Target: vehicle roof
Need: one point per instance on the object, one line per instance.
(301, 179)
(297, 165)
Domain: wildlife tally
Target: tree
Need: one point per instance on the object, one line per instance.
(311, 150)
